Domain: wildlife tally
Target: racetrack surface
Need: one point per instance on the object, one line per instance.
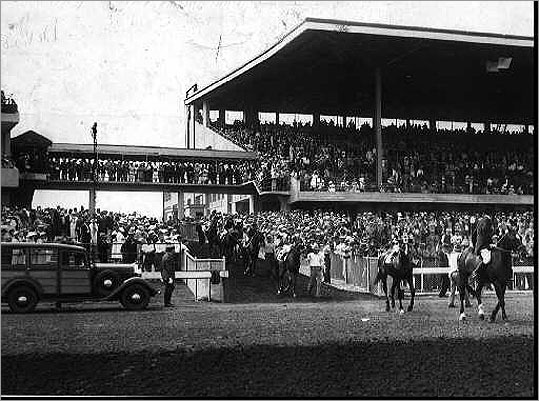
(343, 345)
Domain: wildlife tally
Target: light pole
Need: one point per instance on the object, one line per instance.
(93, 190)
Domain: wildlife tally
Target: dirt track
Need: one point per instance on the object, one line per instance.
(342, 345)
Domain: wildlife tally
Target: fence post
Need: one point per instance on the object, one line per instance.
(422, 282)
(368, 266)
(345, 269)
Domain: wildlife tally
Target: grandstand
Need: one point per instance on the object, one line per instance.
(449, 117)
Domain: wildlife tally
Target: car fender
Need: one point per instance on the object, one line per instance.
(27, 281)
(130, 281)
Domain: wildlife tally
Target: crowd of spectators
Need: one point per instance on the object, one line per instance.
(164, 171)
(364, 234)
(331, 158)
(416, 159)
(324, 158)
(109, 236)
(8, 104)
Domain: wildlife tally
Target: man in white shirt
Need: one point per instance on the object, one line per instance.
(316, 261)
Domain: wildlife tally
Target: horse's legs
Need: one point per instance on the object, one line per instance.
(293, 283)
(500, 295)
(504, 315)
(279, 278)
(462, 291)
(453, 285)
(400, 296)
(254, 259)
(384, 287)
(392, 293)
(479, 288)
(410, 280)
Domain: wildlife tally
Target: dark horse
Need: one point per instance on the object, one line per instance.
(288, 271)
(498, 272)
(400, 269)
(228, 245)
(251, 250)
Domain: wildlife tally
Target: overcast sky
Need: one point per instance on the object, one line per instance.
(128, 64)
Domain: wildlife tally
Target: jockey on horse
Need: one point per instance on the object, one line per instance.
(482, 240)
(392, 252)
(252, 244)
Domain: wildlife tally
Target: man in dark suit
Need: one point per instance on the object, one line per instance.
(168, 273)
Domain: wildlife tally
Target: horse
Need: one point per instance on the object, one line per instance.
(250, 252)
(455, 279)
(213, 237)
(288, 271)
(498, 272)
(228, 244)
(401, 269)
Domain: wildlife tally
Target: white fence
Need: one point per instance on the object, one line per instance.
(360, 273)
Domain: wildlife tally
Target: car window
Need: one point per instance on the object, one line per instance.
(72, 260)
(43, 258)
(13, 258)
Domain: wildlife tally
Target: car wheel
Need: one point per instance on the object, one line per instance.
(22, 299)
(105, 282)
(135, 297)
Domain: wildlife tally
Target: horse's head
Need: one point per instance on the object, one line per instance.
(510, 241)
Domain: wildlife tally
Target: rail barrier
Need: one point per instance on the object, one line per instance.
(203, 276)
(360, 273)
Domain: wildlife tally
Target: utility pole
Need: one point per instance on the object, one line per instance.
(93, 190)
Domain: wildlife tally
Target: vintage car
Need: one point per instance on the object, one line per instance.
(63, 273)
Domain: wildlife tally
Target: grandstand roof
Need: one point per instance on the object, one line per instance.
(327, 66)
(29, 140)
(143, 151)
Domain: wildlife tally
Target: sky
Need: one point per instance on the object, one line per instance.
(128, 64)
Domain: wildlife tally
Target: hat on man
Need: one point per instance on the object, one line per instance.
(31, 234)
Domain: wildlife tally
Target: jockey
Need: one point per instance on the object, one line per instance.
(395, 248)
(482, 240)
(285, 248)
(445, 241)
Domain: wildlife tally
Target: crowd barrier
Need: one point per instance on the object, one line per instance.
(360, 272)
(188, 268)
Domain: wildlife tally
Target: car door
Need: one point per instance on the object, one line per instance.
(74, 273)
(43, 268)
(13, 263)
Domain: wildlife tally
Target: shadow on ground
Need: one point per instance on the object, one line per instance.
(435, 368)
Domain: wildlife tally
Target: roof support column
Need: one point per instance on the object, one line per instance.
(194, 114)
(343, 121)
(181, 206)
(316, 119)
(91, 201)
(205, 113)
(432, 124)
(377, 122)
(187, 124)
(277, 118)
(250, 116)
(252, 204)
(222, 118)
